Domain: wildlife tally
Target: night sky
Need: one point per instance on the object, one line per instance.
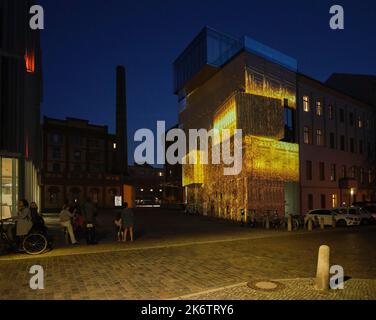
(84, 40)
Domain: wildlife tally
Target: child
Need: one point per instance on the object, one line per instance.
(119, 226)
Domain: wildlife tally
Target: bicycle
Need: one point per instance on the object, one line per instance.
(35, 242)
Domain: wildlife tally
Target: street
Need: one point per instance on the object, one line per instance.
(177, 256)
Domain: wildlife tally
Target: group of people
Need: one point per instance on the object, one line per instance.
(124, 223)
(76, 220)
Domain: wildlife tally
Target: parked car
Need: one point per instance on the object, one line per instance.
(370, 207)
(341, 218)
(364, 215)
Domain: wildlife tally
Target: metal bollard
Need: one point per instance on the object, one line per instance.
(322, 273)
(267, 226)
(322, 226)
(289, 223)
(309, 224)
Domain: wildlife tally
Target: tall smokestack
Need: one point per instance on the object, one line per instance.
(121, 120)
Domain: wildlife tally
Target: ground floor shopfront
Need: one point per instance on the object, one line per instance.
(19, 178)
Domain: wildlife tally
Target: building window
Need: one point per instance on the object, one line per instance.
(361, 175)
(330, 112)
(114, 146)
(351, 119)
(56, 167)
(343, 171)
(360, 122)
(30, 61)
(334, 200)
(319, 137)
(75, 140)
(322, 171)
(309, 169)
(341, 115)
(332, 141)
(56, 153)
(56, 138)
(352, 145)
(361, 146)
(318, 108)
(289, 125)
(342, 143)
(160, 174)
(310, 201)
(353, 172)
(333, 172)
(323, 201)
(77, 155)
(369, 176)
(306, 103)
(306, 137)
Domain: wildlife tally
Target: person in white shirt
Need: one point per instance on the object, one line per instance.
(65, 221)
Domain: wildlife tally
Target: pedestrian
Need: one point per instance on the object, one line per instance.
(37, 218)
(119, 226)
(65, 220)
(90, 212)
(128, 221)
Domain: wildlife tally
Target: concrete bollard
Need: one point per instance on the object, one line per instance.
(289, 223)
(267, 226)
(322, 273)
(309, 224)
(334, 222)
(322, 226)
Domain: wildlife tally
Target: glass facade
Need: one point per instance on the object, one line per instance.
(8, 186)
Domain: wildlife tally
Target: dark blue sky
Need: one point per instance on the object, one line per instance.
(84, 40)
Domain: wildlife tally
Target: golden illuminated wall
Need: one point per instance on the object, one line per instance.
(193, 173)
(259, 84)
(225, 118)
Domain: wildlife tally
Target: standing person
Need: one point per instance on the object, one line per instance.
(128, 221)
(119, 226)
(65, 221)
(90, 212)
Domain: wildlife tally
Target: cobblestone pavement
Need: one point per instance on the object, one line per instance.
(195, 261)
(291, 289)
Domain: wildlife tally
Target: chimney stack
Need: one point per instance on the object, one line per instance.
(121, 121)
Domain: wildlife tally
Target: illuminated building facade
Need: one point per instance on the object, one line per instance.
(20, 101)
(241, 84)
(338, 145)
(227, 83)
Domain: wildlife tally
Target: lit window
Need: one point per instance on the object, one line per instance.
(160, 173)
(333, 172)
(306, 135)
(114, 145)
(319, 138)
(334, 200)
(318, 108)
(306, 103)
(160, 190)
(151, 190)
(141, 190)
(30, 61)
(330, 112)
(360, 123)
